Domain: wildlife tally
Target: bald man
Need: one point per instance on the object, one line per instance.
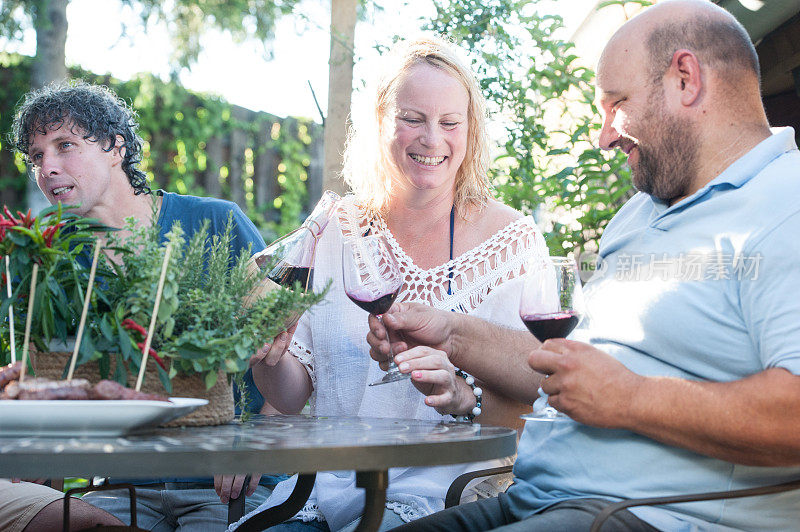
(684, 375)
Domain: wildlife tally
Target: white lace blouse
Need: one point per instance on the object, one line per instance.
(330, 342)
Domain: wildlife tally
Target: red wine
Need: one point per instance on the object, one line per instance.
(554, 325)
(286, 275)
(375, 306)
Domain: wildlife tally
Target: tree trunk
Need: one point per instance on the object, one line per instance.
(315, 168)
(236, 175)
(50, 22)
(215, 158)
(340, 88)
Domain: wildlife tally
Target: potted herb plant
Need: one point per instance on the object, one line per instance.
(208, 324)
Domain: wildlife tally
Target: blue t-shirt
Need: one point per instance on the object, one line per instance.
(707, 289)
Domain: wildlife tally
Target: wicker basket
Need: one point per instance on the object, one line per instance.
(219, 410)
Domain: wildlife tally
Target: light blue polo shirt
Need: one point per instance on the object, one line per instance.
(707, 289)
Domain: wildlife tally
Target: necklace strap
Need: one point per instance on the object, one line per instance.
(452, 231)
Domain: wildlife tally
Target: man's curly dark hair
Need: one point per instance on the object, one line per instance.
(95, 110)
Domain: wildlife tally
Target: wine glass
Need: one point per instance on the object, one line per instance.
(372, 280)
(290, 259)
(550, 307)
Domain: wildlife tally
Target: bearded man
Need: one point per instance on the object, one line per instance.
(683, 376)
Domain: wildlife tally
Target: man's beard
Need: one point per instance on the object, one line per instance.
(668, 163)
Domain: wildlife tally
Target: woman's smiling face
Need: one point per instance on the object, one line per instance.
(429, 140)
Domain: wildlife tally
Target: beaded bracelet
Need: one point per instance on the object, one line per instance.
(476, 391)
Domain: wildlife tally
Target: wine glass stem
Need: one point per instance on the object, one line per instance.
(392, 366)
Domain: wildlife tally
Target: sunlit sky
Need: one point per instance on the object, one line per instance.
(239, 71)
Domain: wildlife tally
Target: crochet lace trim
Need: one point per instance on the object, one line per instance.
(309, 513)
(407, 512)
(472, 275)
(306, 358)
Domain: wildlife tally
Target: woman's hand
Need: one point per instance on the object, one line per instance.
(230, 486)
(271, 353)
(434, 376)
(280, 377)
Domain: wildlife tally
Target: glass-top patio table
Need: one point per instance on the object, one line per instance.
(274, 444)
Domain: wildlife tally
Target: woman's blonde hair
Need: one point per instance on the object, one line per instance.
(367, 162)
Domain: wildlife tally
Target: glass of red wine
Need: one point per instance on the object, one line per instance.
(551, 306)
(372, 280)
(290, 259)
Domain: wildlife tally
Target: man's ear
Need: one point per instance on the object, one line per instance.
(119, 150)
(684, 79)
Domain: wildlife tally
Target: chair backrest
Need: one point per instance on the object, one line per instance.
(694, 497)
(103, 528)
(456, 488)
(236, 506)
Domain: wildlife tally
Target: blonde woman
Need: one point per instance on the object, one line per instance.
(417, 169)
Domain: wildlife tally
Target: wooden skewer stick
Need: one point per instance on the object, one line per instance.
(12, 343)
(34, 275)
(87, 298)
(152, 327)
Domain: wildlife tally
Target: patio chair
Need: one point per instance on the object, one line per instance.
(457, 487)
(100, 528)
(236, 506)
(694, 497)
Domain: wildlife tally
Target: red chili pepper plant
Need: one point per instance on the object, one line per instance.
(55, 239)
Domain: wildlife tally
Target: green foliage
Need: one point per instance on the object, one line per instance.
(74, 482)
(209, 319)
(190, 20)
(293, 146)
(14, 15)
(202, 324)
(53, 240)
(175, 125)
(14, 82)
(543, 97)
(643, 3)
(187, 20)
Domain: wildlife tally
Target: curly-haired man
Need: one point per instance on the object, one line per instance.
(82, 142)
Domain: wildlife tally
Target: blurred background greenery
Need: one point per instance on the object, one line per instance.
(537, 80)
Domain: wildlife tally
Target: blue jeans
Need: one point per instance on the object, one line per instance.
(574, 515)
(183, 508)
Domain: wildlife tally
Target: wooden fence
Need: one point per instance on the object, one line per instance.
(244, 164)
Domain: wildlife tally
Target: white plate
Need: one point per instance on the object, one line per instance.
(89, 418)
